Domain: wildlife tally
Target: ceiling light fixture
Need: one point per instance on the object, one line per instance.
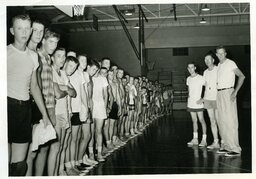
(205, 8)
(202, 21)
(136, 26)
(128, 12)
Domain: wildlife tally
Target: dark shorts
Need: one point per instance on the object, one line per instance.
(19, 121)
(195, 110)
(36, 114)
(114, 111)
(75, 119)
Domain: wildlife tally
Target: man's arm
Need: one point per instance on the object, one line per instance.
(105, 96)
(239, 84)
(58, 92)
(37, 95)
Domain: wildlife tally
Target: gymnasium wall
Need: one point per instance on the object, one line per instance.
(115, 44)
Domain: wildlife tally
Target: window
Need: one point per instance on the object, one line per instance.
(180, 51)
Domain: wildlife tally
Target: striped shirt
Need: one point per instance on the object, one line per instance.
(47, 81)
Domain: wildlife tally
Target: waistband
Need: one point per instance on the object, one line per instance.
(16, 101)
(224, 89)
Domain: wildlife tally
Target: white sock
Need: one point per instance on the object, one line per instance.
(216, 140)
(204, 136)
(108, 142)
(195, 135)
(80, 161)
(73, 163)
(99, 150)
(77, 162)
(90, 150)
(68, 164)
(114, 138)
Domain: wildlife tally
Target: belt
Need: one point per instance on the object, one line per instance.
(224, 89)
(16, 101)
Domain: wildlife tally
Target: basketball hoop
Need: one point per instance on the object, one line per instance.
(151, 65)
(78, 10)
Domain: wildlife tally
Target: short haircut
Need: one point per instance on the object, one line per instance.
(38, 22)
(136, 78)
(72, 59)
(93, 62)
(191, 63)
(124, 78)
(82, 55)
(221, 47)
(22, 17)
(105, 58)
(49, 33)
(60, 49)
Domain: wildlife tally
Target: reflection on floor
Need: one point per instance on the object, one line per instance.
(162, 149)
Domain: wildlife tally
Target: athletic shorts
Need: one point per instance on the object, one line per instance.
(75, 119)
(62, 121)
(19, 121)
(210, 104)
(36, 114)
(195, 110)
(114, 111)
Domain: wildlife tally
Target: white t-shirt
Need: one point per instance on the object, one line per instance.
(20, 66)
(210, 77)
(77, 80)
(99, 83)
(99, 110)
(86, 77)
(226, 74)
(61, 106)
(195, 85)
(165, 94)
(132, 93)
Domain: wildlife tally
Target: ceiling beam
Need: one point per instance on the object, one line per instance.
(109, 15)
(191, 9)
(148, 10)
(33, 8)
(159, 10)
(247, 5)
(57, 18)
(154, 18)
(233, 8)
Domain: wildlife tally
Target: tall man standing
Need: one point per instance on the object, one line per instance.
(226, 102)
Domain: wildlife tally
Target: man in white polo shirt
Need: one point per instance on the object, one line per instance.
(226, 103)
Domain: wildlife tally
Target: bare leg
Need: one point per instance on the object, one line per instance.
(41, 160)
(86, 130)
(53, 152)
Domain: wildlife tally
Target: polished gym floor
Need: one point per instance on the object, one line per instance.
(162, 149)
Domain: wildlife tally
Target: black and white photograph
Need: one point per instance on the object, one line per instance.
(127, 89)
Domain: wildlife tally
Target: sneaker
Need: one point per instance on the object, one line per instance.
(222, 151)
(81, 169)
(100, 158)
(62, 173)
(232, 154)
(94, 162)
(91, 156)
(214, 145)
(203, 143)
(72, 172)
(88, 167)
(193, 142)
